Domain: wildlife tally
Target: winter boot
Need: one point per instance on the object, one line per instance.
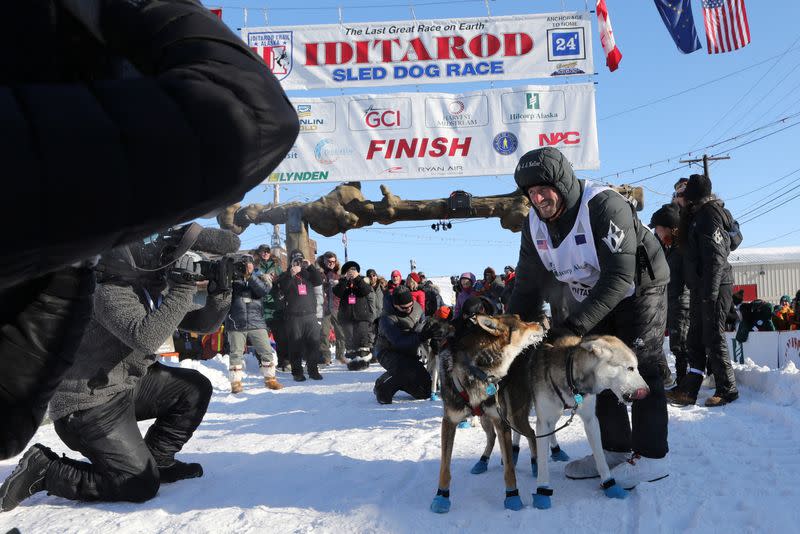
(313, 372)
(686, 394)
(270, 381)
(236, 375)
(178, 470)
(27, 478)
(721, 399)
(384, 389)
(637, 469)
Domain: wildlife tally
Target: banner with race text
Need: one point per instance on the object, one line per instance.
(375, 54)
(429, 135)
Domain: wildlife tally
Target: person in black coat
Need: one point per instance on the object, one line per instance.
(139, 101)
(356, 309)
(401, 334)
(706, 244)
(664, 223)
(303, 315)
(584, 244)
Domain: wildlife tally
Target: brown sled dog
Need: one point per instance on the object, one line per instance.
(471, 368)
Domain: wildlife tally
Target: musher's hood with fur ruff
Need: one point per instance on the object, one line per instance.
(548, 166)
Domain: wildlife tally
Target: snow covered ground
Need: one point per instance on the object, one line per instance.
(325, 457)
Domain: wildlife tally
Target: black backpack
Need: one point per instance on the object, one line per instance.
(731, 226)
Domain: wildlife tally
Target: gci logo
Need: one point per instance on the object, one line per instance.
(568, 138)
(381, 118)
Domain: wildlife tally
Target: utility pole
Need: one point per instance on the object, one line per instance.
(276, 229)
(705, 159)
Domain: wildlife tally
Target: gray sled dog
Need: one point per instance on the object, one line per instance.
(568, 375)
(471, 368)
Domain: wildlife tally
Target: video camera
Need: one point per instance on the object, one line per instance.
(455, 281)
(156, 255)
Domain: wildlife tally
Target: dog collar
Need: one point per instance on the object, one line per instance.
(576, 392)
(491, 390)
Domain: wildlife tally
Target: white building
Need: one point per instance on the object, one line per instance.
(772, 272)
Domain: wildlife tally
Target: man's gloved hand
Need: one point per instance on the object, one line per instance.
(184, 271)
(433, 330)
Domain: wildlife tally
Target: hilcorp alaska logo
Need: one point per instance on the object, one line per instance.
(533, 106)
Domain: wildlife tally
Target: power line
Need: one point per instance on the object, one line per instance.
(689, 89)
(672, 158)
(752, 88)
(762, 188)
(774, 238)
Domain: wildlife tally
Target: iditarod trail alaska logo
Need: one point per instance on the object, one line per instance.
(275, 48)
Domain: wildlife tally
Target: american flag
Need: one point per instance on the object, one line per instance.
(541, 244)
(726, 25)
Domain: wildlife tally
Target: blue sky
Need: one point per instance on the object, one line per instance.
(649, 110)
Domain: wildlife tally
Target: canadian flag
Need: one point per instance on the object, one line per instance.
(613, 55)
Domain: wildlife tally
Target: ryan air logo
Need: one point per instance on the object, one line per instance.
(614, 238)
(505, 143)
(275, 48)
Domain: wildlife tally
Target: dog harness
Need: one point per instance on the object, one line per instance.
(491, 389)
(577, 395)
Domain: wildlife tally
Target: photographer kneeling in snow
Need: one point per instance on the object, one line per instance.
(401, 333)
(116, 381)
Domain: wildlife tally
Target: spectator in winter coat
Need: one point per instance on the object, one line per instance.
(395, 281)
(401, 334)
(329, 264)
(268, 268)
(508, 287)
(245, 324)
(127, 109)
(303, 315)
(412, 282)
(490, 287)
(665, 223)
(706, 244)
(356, 309)
(783, 318)
(466, 284)
(433, 299)
(377, 284)
(116, 381)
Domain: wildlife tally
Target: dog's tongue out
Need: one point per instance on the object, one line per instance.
(640, 393)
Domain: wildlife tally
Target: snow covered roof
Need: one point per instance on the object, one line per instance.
(744, 256)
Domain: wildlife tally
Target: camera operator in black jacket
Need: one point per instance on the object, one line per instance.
(116, 381)
(108, 106)
(303, 315)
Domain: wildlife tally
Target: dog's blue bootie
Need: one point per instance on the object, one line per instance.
(614, 490)
(557, 455)
(534, 468)
(480, 466)
(513, 502)
(541, 499)
(441, 503)
(435, 396)
(464, 424)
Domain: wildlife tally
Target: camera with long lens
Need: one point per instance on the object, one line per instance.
(155, 256)
(455, 281)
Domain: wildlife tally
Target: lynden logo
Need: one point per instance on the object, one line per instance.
(380, 114)
(275, 48)
(314, 176)
(419, 147)
(532, 100)
(551, 139)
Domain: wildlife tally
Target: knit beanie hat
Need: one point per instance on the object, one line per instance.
(401, 296)
(698, 186)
